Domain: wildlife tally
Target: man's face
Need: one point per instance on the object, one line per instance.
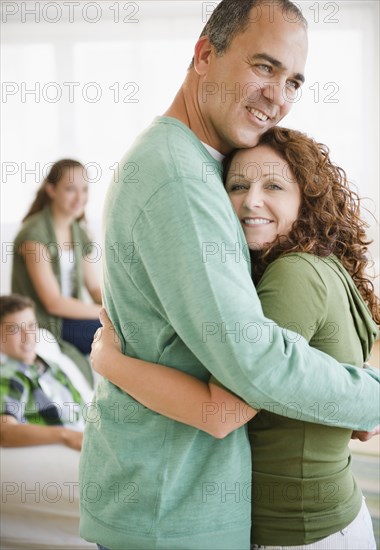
(18, 336)
(252, 86)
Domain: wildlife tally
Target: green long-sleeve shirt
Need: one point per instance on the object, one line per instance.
(178, 289)
(303, 487)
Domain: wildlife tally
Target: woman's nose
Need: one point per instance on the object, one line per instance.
(253, 199)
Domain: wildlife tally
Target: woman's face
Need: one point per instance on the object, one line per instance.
(264, 193)
(69, 197)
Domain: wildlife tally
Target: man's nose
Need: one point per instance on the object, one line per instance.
(275, 93)
(28, 334)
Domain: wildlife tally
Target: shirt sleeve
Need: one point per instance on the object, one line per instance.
(293, 295)
(11, 397)
(200, 276)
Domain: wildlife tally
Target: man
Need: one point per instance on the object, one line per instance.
(39, 405)
(179, 292)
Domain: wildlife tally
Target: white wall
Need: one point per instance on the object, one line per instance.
(77, 55)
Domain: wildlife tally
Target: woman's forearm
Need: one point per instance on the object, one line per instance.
(72, 308)
(178, 395)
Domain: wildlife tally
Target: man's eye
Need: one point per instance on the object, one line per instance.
(293, 84)
(265, 68)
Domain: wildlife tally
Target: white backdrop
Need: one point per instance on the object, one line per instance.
(81, 79)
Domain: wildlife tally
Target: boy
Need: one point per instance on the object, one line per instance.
(38, 403)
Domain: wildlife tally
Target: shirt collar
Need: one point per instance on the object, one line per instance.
(213, 152)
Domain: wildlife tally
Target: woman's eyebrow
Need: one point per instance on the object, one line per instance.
(232, 174)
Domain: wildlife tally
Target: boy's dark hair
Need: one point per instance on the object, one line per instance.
(12, 303)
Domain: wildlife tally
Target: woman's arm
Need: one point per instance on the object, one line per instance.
(168, 391)
(47, 287)
(91, 281)
(14, 434)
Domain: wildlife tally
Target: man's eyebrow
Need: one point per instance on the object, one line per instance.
(276, 63)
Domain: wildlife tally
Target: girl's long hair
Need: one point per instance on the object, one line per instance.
(329, 219)
(56, 173)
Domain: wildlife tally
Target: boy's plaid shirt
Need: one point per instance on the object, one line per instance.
(39, 394)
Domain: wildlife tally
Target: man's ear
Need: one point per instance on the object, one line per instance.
(202, 53)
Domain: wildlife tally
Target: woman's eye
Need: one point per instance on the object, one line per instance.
(236, 187)
(274, 187)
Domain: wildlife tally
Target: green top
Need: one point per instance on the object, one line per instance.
(176, 280)
(39, 228)
(40, 393)
(303, 488)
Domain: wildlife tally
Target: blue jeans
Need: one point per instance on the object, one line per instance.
(101, 547)
(80, 333)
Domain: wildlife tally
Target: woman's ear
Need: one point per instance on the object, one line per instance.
(50, 190)
(202, 53)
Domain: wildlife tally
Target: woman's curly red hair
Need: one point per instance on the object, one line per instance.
(329, 220)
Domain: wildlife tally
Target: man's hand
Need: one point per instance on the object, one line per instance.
(105, 342)
(365, 436)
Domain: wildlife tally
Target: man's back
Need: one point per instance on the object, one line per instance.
(154, 482)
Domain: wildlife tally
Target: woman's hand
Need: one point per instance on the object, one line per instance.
(365, 436)
(165, 390)
(106, 343)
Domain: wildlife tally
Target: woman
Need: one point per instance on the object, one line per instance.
(308, 246)
(52, 262)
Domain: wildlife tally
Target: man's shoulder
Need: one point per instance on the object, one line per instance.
(166, 159)
(11, 369)
(169, 149)
(171, 129)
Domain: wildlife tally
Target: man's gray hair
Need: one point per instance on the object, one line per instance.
(232, 17)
